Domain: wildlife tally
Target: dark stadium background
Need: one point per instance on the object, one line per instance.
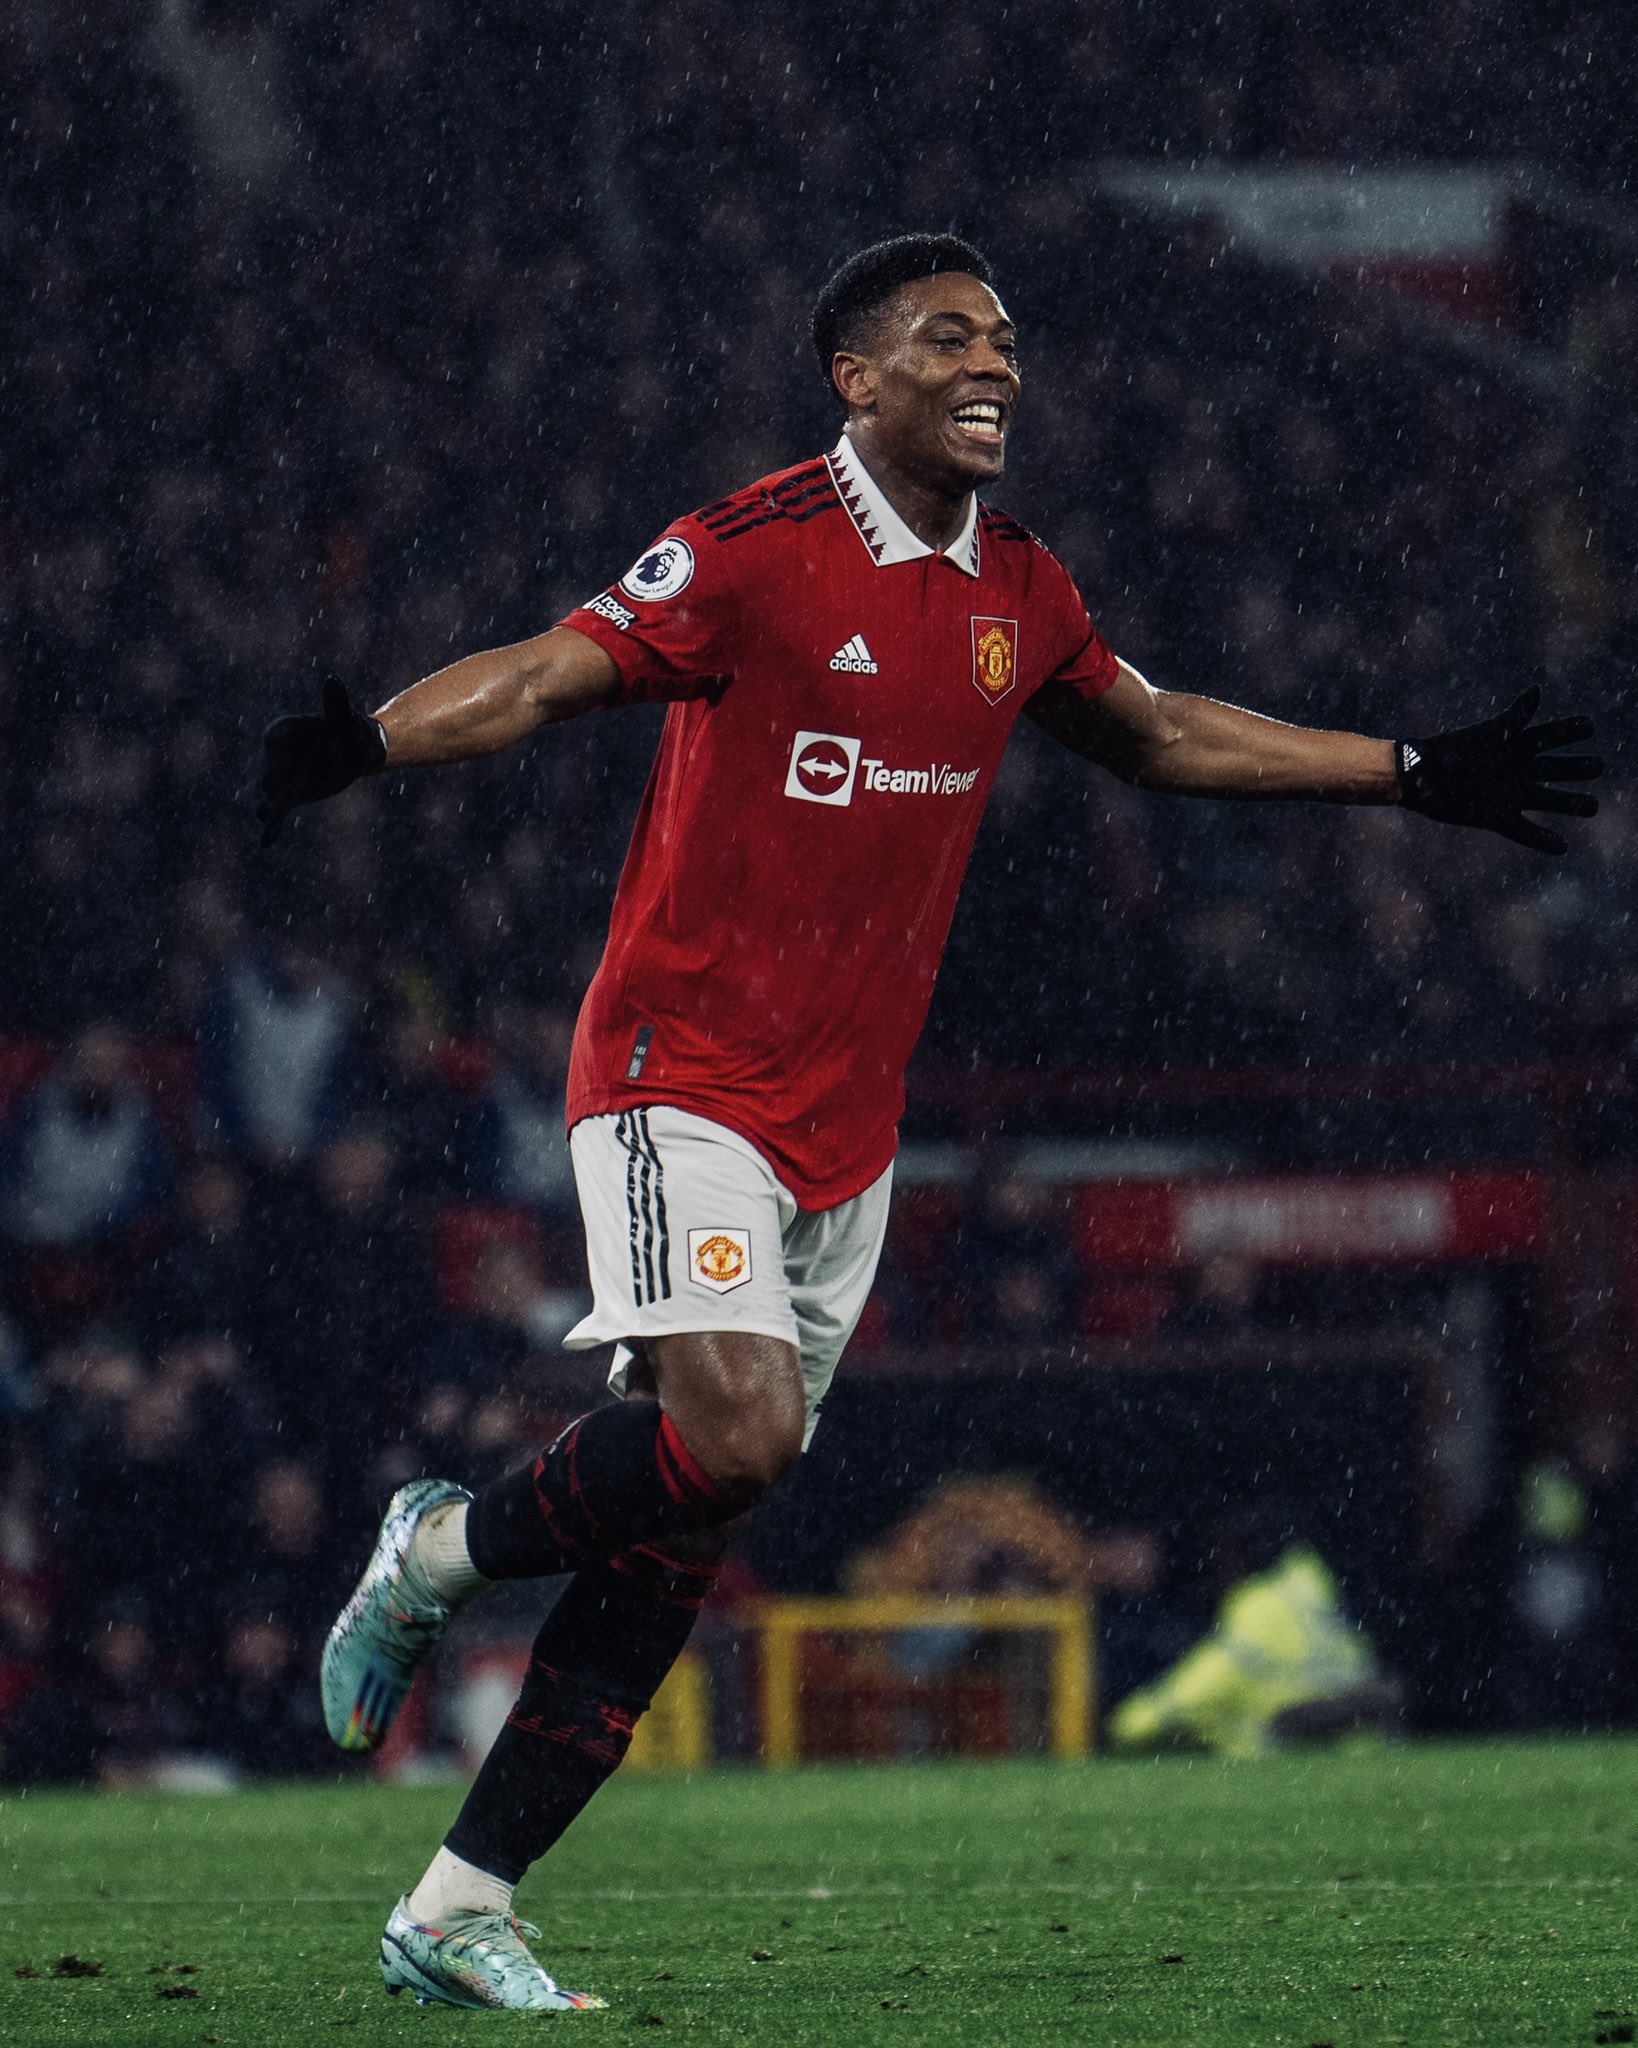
(355, 336)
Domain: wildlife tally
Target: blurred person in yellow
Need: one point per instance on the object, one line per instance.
(1282, 1663)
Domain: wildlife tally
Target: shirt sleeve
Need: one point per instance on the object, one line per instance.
(1086, 664)
(670, 625)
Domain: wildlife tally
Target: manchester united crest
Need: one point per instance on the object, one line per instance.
(719, 1259)
(995, 656)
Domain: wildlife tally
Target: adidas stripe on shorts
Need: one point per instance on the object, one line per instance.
(688, 1228)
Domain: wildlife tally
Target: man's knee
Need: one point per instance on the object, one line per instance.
(754, 1451)
(737, 1402)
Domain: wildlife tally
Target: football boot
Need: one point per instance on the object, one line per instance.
(392, 1621)
(473, 1959)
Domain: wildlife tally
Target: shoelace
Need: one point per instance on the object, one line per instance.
(418, 1620)
(525, 1930)
(426, 1617)
(482, 1945)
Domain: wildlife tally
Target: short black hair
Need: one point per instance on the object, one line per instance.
(865, 283)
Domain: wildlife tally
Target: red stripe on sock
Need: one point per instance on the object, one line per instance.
(686, 1479)
(577, 1492)
(548, 1514)
(685, 1567)
(603, 1735)
(674, 1581)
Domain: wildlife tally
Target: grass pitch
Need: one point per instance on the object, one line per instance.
(1430, 1895)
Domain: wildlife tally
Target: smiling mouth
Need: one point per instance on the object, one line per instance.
(982, 420)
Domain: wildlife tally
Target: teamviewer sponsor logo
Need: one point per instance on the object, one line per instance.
(823, 766)
(825, 769)
(938, 778)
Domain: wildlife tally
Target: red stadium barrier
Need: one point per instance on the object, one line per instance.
(1314, 1220)
(462, 1233)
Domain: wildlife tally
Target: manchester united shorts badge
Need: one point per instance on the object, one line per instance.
(995, 656)
(719, 1260)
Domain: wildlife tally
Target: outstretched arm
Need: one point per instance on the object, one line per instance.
(1488, 774)
(480, 705)
(1195, 746)
(491, 701)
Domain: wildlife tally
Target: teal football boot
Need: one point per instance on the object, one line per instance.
(473, 1959)
(393, 1619)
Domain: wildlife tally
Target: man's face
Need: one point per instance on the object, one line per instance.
(938, 381)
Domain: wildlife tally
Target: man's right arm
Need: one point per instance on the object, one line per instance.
(476, 706)
(491, 701)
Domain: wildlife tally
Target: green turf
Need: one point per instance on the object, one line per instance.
(1474, 1894)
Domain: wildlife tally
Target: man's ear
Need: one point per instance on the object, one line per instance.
(855, 381)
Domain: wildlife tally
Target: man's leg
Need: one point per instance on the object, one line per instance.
(736, 1402)
(629, 1499)
(594, 1669)
(730, 1420)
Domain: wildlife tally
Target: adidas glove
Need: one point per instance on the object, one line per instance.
(310, 756)
(1491, 773)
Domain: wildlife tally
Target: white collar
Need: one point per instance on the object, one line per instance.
(880, 527)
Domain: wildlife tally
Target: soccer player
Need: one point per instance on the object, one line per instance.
(845, 647)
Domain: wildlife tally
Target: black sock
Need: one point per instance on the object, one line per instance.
(595, 1666)
(618, 1476)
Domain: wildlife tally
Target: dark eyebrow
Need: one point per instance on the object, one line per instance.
(1002, 326)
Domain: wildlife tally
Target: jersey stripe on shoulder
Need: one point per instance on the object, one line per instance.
(733, 507)
(797, 495)
(801, 483)
(782, 484)
(1003, 526)
(770, 513)
(797, 501)
(811, 510)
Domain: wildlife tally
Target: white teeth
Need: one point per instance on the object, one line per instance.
(978, 416)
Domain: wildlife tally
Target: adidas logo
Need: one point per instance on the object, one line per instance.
(853, 659)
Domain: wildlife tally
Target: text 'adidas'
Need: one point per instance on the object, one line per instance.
(854, 658)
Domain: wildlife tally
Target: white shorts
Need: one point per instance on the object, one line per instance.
(687, 1228)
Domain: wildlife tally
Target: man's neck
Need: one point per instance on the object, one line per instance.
(933, 516)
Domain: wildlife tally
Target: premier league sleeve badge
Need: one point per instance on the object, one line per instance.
(665, 569)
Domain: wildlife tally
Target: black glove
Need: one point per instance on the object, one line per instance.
(1491, 773)
(310, 756)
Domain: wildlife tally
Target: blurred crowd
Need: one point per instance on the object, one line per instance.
(218, 1357)
(435, 369)
(355, 337)
(231, 1323)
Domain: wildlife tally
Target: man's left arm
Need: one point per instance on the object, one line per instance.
(1487, 775)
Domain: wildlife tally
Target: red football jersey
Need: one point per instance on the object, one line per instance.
(841, 696)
